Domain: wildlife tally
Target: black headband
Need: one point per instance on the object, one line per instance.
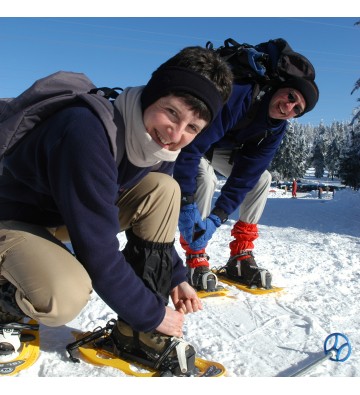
(179, 79)
(307, 88)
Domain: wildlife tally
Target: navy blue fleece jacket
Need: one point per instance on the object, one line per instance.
(250, 161)
(63, 172)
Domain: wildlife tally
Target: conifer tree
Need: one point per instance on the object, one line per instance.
(350, 163)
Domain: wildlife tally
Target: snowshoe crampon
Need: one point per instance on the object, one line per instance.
(98, 347)
(29, 350)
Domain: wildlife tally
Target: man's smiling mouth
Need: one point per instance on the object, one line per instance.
(282, 112)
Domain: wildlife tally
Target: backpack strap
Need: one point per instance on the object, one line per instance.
(107, 93)
(257, 95)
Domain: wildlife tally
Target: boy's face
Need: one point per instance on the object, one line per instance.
(286, 103)
(171, 123)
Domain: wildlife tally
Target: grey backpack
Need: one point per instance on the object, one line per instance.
(21, 114)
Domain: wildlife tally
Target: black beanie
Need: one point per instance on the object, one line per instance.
(173, 79)
(307, 88)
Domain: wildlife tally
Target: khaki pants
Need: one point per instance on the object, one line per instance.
(52, 286)
(252, 207)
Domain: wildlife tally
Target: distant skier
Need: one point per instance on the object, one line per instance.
(294, 188)
(320, 192)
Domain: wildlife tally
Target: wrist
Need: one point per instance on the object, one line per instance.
(223, 216)
(187, 199)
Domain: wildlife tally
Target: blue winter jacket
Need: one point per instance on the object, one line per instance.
(63, 172)
(256, 145)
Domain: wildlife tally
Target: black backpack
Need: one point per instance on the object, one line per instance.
(264, 65)
(21, 114)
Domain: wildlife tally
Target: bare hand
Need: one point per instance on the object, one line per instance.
(172, 324)
(185, 298)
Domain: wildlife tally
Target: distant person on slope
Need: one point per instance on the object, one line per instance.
(294, 188)
(64, 174)
(244, 163)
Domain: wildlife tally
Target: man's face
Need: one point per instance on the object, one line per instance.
(171, 123)
(286, 103)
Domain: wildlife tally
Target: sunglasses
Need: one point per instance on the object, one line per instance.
(293, 99)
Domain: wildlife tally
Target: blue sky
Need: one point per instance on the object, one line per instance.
(124, 51)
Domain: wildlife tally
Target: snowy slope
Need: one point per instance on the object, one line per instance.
(311, 247)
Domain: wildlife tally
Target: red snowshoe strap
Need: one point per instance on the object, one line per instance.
(196, 260)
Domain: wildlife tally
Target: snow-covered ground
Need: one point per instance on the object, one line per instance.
(311, 247)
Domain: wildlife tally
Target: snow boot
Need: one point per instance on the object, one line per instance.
(243, 269)
(9, 310)
(202, 278)
(10, 315)
(199, 274)
(153, 349)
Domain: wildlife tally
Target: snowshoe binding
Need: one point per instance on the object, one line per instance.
(19, 346)
(9, 341)
(243, 269)
(161, 352)
(11, 325)
(202, 278)
(11, 337)
(170, 356)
